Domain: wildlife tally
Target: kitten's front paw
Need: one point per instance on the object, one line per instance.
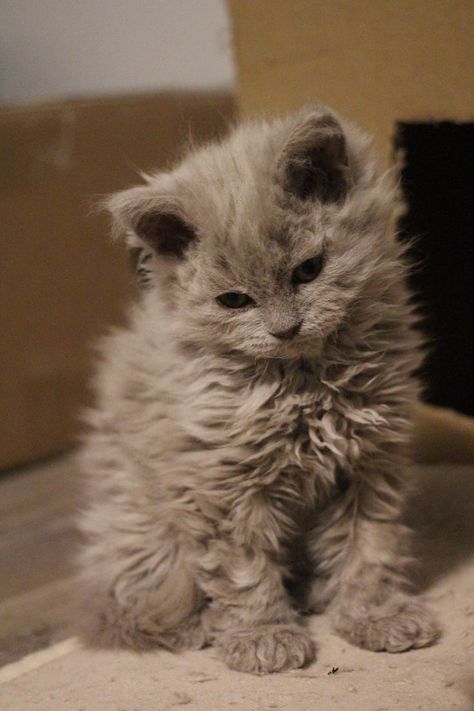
(397, 625)
(190, 634)
(270, 648)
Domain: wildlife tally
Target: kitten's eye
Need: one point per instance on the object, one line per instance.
(308, 270)
(234, 299)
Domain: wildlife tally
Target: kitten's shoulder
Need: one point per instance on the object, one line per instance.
(136, 360)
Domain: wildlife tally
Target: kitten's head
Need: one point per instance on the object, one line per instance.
(262, 243)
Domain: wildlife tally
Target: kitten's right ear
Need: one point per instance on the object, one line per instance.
(157, 220)
(314, 163)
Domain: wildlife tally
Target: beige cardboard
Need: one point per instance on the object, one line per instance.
(374, 61)
(61, 279)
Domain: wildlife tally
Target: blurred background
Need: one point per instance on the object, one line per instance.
(91, 92)
(56, 50)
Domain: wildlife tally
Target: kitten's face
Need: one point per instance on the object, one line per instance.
(260, 245)
(279, 302)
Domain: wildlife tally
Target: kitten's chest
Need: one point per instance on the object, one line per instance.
(294, 446)
(303, 431)
(272, 427)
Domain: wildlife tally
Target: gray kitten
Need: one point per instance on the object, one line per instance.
(252, 420)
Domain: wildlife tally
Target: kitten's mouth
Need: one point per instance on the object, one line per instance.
(296, 348)
(305, 348)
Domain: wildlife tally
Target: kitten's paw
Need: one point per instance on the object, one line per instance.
(397, 625)
(147, 635)
(190, 634)
(270, 648)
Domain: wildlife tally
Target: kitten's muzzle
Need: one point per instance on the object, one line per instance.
(288, 333)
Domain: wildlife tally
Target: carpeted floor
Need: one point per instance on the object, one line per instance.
(36, 507)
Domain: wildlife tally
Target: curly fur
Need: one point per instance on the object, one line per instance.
(225, 465)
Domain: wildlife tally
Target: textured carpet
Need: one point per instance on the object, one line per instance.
(65, 677)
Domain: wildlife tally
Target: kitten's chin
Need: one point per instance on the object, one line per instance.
(287, 351)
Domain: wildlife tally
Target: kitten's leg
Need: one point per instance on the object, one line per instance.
(359, 548)
(140, 594)
(250, 617)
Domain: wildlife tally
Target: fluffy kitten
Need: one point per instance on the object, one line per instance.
(255, 412)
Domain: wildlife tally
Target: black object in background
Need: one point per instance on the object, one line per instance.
(438, 183)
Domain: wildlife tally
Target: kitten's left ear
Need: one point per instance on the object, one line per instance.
(314, 163)
(156, 219)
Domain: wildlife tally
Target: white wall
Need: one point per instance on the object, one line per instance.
(58, 48)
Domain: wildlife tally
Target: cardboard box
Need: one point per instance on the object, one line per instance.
(61, 278)
(374, 61)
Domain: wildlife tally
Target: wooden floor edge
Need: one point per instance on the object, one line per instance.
(34, 661)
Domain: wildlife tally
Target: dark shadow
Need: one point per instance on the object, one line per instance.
(441, 512)
(438, 183)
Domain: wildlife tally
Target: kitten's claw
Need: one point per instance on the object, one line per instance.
(270, 648)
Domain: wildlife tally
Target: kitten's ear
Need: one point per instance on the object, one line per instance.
(157, 220)
(314, 163)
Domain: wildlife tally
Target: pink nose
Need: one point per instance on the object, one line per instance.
(289, 333)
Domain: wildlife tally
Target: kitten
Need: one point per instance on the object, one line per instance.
(256, 410)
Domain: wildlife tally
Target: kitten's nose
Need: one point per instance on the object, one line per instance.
(289, 333)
